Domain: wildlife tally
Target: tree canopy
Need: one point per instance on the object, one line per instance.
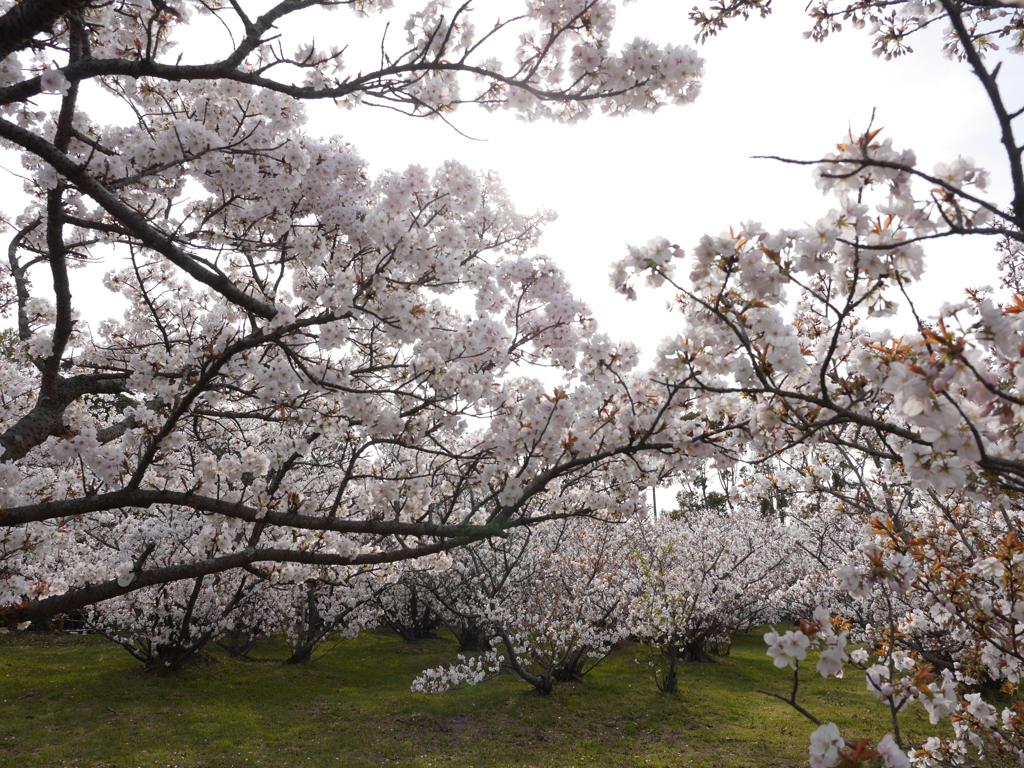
(325, 370)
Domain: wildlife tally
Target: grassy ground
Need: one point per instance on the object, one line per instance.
(79, 701)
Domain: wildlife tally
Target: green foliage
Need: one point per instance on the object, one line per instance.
(695, 497)
(79, 701)
(9, 345)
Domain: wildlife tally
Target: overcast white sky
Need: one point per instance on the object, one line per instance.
(684, 171)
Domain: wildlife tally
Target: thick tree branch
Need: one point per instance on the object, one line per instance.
(30, 17)
(134, 221)
(80, 597)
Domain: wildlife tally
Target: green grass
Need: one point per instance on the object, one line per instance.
(79, 701)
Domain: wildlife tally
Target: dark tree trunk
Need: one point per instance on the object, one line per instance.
(301, 654)
(571, 667)
(669, 681)
(470, 637)
(239, 642)
(694, 651)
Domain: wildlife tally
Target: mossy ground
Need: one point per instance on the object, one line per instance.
(80, 701)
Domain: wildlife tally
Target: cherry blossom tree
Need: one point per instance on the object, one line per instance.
(783, 332)
(333, 605)
(559, 611)
(319, 366)
(167, 626)
(474, 576)
(705, 575)
(407, 608)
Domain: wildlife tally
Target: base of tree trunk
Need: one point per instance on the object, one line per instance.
(693, 652)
